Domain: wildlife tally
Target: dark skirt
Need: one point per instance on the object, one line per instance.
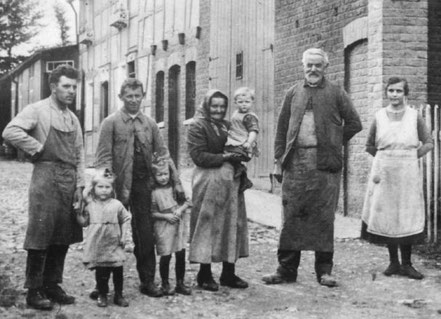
(416, 239)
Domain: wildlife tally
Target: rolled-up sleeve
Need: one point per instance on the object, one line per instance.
(17, 131)
(251, 123)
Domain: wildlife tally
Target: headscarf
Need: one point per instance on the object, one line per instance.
(203, 110)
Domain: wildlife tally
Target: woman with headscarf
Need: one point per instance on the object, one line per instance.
(218, 225)
(393, 212)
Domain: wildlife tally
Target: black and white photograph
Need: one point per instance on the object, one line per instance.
(227, 159)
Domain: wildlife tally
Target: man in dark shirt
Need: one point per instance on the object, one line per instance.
(316, 119)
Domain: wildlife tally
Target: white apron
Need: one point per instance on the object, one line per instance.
(394, 203)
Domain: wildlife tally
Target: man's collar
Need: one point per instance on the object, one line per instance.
(126, 115)
(55, 105)
(321, 84)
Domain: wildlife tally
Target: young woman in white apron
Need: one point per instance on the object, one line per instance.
(393, 211)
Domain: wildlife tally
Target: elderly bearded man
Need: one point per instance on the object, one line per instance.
(316, 119)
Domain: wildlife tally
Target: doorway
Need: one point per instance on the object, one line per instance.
(173, 112)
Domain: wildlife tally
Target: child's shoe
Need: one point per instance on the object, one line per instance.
(182, 289)
(94, 294)
(102, 300)
(166, 289)
(245, 183)
(119, 300)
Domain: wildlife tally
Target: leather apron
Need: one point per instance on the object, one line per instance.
(51, 192)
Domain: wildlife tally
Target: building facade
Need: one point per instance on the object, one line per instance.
(237, 49)
(178, 49)
(154, 41)
(368, 41)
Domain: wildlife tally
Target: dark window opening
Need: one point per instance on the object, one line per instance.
(190, 89)
(173, 112)
(159, 97)
(104, 100)
(131, 72)
(239, 65)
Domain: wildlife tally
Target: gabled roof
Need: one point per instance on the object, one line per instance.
(38, 55)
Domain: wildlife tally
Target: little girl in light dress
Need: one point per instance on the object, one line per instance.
(107, 221)
(170, 227)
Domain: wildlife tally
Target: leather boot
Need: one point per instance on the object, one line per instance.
(181, 288)
(119, 300)
(151, 290)
(228, 277)
(94, 294)
(167, 290)
(205, 278)
(57, 294)
(392, 269)
(102, 300)
(36, 299)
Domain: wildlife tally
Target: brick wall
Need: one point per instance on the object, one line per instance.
(402, 38)
(434, 52)
(301, 24)
(405, 45)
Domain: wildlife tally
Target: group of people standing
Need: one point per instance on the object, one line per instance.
(134, 173)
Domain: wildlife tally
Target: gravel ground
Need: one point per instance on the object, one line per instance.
(363, 291)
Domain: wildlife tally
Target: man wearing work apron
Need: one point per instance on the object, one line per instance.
(51, 135)
(316, 119)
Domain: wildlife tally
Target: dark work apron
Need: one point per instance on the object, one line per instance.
(309, 199)
(53, 184)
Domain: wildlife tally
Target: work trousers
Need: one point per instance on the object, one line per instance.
(44, 268)
(142, 230)
(289, 261)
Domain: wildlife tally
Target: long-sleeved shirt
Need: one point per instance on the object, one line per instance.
(115, 148)
(336, 121)
(29, 130)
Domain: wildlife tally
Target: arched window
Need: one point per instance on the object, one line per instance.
(173, 111)
(159, 94)
(190, 89)
(104, 100)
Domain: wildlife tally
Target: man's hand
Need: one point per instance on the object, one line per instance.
(180, 194)
(78, 199)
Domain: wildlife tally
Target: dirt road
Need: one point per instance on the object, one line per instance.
(363, 292)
